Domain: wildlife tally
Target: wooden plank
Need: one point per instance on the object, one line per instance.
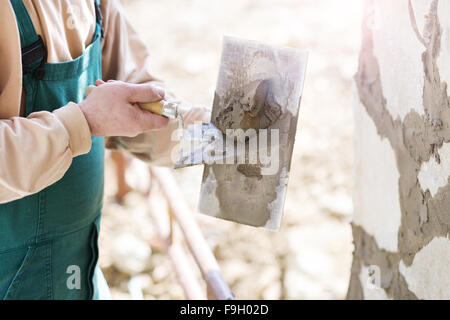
(180, 262)
(192, 233)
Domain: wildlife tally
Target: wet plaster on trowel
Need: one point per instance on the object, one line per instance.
(247, 200)
(247, 193)
(277, 205)
(415, 138)
(209, 193)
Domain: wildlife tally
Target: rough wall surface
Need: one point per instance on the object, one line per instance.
(402, 162)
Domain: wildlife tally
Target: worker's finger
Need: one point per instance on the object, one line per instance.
(141, 93)
(150, 121)
(99, 82)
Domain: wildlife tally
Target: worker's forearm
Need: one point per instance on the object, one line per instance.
(35, 152)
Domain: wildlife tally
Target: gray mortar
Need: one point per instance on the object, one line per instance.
(414, 141)
(259, 87)
(391, 279)
(254, 213)
(250, 171)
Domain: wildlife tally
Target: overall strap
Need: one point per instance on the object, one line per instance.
(99, 16)
(33, 48)
(28, 34)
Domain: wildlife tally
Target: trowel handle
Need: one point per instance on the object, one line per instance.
(153, 107)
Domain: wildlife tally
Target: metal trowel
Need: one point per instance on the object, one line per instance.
(192, 141)
(205, 143)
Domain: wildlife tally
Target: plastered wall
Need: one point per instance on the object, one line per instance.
(402, 152)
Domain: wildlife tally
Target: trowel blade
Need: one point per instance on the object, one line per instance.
(203, 143)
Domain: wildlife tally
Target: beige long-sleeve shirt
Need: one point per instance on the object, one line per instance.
(36, 151)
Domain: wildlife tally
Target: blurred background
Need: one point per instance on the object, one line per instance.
(310, 257)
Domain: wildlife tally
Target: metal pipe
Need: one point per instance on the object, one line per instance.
(193, 235)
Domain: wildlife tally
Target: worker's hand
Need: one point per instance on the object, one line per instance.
(111, 109)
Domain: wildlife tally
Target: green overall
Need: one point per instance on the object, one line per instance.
(48, 241)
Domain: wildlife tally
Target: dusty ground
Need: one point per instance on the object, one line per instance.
(310, 258)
